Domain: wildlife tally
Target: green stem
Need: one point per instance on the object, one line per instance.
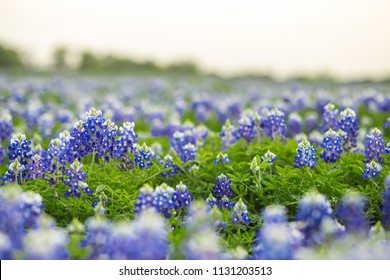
(92, 162)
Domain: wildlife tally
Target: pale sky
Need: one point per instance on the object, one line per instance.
(347, 38)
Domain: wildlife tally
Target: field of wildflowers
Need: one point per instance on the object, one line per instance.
(193, 168)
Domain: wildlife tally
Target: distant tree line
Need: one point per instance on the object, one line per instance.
(91, 62)
(10, 58)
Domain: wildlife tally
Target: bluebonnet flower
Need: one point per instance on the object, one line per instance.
(46, 124)
(294, 123)
(182, 137)
(222, 186)
(160, 199)
(19, 211)
(313, 210)
(277, 241)
(387, 148)
(329, 118)
(228, 135)
(275, 214)
(36, 168)
(305, 155)
(144, 199)
(247, 126)
(98, 236)
(270, 156)
(15, 173)
(332, 147)
(167, 162)
(69, 147)
(75, 180)
(54, 148)
(20, 148)
(46, 242)
(6, 126)
(350, 211)
(387, 123)
(105, 142)
(143, 239)
(201, 242)
(386, 204)
(2, 154)
(127, 140)
(375, 146)
(143, 156)
(163, 200)
(189, 151)
(6, 250)
(240, 213)
(349, 124)
(371, 170)
(222, 159)
(201, 133)
(211, 201)
(311, 122)
(94, 120)
(225, 203)
(274, 124)
(316, 138)
(181, 198)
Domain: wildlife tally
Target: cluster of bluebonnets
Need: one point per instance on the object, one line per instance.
(88, 121)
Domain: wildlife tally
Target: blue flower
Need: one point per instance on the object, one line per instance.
(228, 135)
(181, 198)
(225, 203)
(221, 159)
(387, 124)
(270, 156)
(311, 122)
(6, 126)
(375, 146)
(188, 153)
(371, 170)
(211, 201)
(277, 241)
(275, 214)
(349, 124)
(161, 199)
(222, 187)
(332, 147)
(313, 210)
(143, 156)
(19, 211)
(386, 204)
(167, 162)
(305, 155)
(20, 148)
(53, 240)
(75, 180)
(2, 154)
(294, 123)
(127, 140)
(350, 211)
(98, 237)
(144, 199)
(240, 213)
(247, 126)
(15, 173)
(143, 239)
(273, 124)
(329, 118)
